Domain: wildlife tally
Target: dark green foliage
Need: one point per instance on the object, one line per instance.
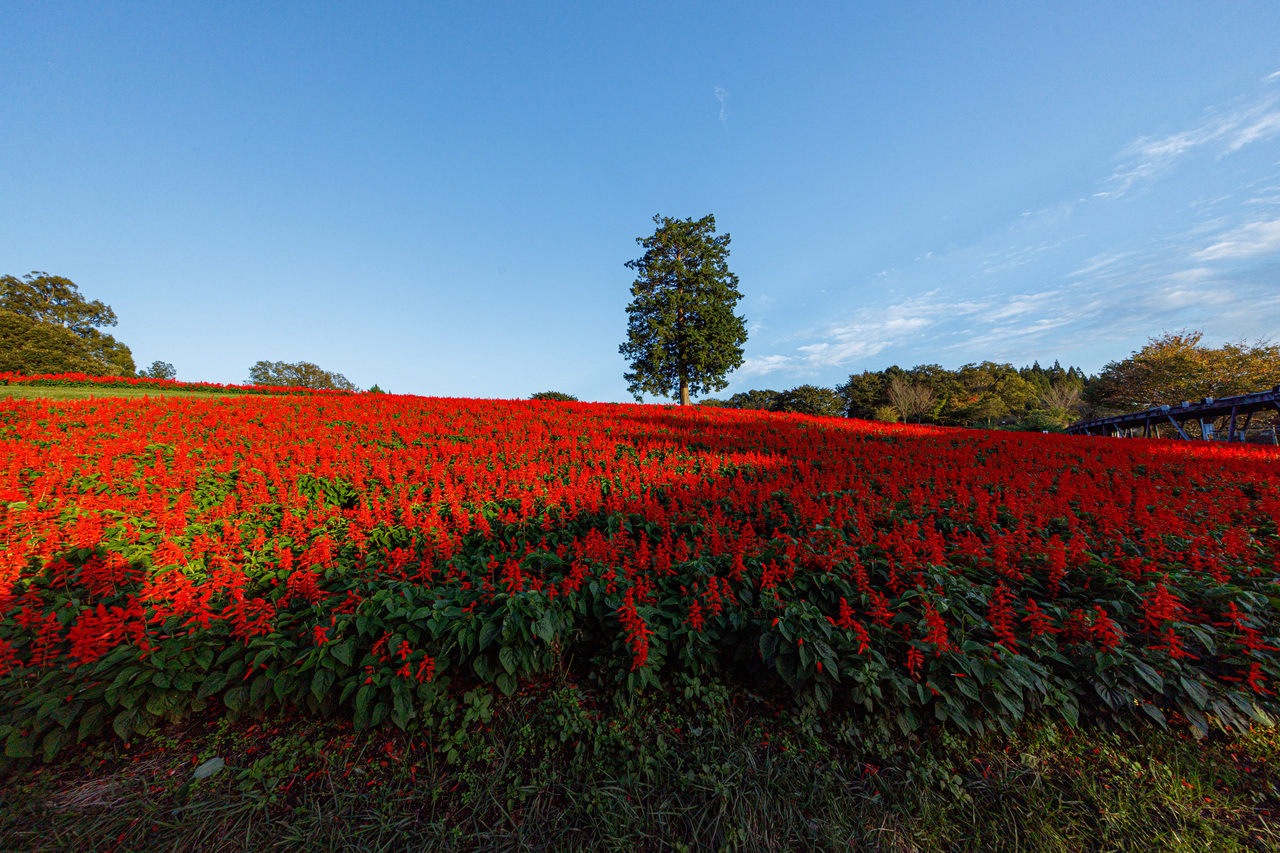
(554, 396)
(302, 374)
(757, 400)
(863, 394)
(810, 400)
(375, 390)
(46, 326)
(159, 370)
(682, 334)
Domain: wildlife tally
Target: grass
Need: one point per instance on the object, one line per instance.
(64, 392)
(555, 770)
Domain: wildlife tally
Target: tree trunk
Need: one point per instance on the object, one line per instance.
(684, 391)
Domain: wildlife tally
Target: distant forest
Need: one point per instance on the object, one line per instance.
(1170, 368)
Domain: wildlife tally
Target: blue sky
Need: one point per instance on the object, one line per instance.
(440, 198)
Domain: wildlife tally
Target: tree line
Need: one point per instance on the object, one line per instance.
(48, 326)
(1168, 369)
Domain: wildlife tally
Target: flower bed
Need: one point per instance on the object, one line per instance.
(372, 555)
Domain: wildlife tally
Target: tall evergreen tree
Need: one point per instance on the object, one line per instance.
(682, 334)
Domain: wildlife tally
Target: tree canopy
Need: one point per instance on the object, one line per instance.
(1176, 366)
(301, 374)
(810, 400)
(159, 370)
(682, 334)
(47, 326)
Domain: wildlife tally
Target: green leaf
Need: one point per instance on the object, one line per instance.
(236, 698)
(212, 684)
(509, 659)
(506, 683)
(545, 628)
(1196, 691)
(125, 722)
(259, 688)
(1155, 713)
(66, 713)
(207, 769)
(91, 722)
(344, 652)
(488, 631)
(53, 743)
(321, 682)
(1149, 675)
(19, 745)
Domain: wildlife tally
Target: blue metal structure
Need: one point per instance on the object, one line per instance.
(1238, 411)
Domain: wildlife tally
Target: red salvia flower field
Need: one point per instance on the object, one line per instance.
(368, 554)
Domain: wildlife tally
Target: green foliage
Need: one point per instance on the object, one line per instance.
(886, 414)
(554, 396)
(682, 334)
(977, 394)
(864, 394)
(302, 374)
(810, 400)
(755, 400)
(375, 390)
(47, 326)
(159, 370)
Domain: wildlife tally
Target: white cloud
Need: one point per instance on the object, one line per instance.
(1264, 128)
(722, 95)
(1223, 133)
(1247, 241)
(762, 365)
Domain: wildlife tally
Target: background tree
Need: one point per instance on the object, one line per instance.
(864, 394)
(302, 374)
(682, 334)
(159, 370)
(47, 326)
(554, 396)
(753, 399)
(1175, 366)
(811, 400)
(912, 399)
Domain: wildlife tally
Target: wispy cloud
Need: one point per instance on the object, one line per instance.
(1081, 280)
(1220, 133)
(722, 95)
(1248, 241)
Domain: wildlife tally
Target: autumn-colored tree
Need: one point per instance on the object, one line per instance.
(1176, 366)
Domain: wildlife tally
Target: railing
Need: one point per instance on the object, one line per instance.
(1200, 418)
